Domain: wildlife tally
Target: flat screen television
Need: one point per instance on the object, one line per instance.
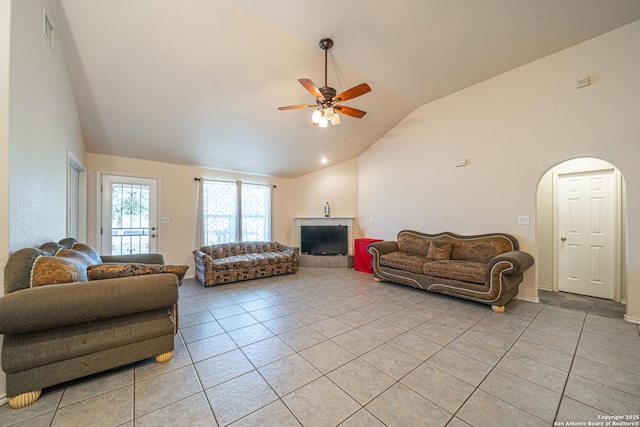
(324, 240)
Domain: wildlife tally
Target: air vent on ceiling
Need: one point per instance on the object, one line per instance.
(48, 31)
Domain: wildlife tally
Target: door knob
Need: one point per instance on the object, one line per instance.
(563, 239)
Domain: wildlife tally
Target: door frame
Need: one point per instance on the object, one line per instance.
(75, 163)
(617, 238)
(100, 175)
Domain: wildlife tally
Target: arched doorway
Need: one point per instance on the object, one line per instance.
(564, 262)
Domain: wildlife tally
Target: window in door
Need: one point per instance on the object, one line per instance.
(129, 206)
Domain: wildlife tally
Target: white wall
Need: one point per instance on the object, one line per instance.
(512, 128)
(43, 126)
(5, 34)
(178, 198)
(336, 184)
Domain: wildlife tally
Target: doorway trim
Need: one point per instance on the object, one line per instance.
(75, 163)
(618, 226)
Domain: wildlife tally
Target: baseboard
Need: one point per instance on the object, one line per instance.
(632, 319)
(3, 399)
(535, 300)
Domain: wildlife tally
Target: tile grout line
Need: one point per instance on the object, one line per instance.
(495, 366)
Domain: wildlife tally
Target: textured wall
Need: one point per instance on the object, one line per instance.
(513, 128)
(43, 126)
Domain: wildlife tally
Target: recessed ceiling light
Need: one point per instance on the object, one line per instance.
(324, 160)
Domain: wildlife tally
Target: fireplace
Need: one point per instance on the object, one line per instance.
(327, 231)
(324, 239)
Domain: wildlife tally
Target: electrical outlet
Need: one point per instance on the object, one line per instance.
(523, 220)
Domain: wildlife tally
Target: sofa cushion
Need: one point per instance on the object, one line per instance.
(228, 250)
(17, 272)
(467, 271)
(250, 260)
(48, 270)
(403, 261)
(89, 251)
(481, 249)
(78, 256)
(413, 244)
(114, 270)
(439, 251)
(50, 248)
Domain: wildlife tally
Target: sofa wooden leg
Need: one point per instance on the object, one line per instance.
(498, 308)
(377, 279)
(24, 399)
(164, 357)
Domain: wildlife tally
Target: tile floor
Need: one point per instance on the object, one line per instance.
(328, 347)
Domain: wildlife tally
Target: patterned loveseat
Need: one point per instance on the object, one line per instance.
(232, 262)
(485, 268)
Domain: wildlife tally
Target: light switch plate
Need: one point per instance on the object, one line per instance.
(523, 220)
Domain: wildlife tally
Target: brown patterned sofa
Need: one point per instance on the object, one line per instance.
(485, 268)
(232, 262)
(61, 323)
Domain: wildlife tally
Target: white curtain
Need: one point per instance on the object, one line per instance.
(256, 212)
(233, 211)
(199, 214)
(220, 212)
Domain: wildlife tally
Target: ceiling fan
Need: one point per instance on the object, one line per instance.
(328, 104)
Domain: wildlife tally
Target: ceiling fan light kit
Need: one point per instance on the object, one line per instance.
(327, 100)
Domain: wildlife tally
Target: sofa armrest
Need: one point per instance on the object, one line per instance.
(52, 306)
(520, 261)
(294, 251)
(134, 259)
(378, 249)
(203, 262)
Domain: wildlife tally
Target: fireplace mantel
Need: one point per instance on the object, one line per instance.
(324, 220)
(327, 220)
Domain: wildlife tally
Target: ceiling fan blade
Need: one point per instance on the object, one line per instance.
(355, 91)
(312, 88)
(295, 107)
(353, 112)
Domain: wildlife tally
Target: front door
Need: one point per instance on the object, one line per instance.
(129, 215)
(587, 209)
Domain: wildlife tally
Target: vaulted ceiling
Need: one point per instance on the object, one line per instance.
(198, 82)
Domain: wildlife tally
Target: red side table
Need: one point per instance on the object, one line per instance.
(361, 258)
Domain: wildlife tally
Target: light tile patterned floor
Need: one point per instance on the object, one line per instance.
(329, 347)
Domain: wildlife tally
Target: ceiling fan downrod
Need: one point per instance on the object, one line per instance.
(326, 44)
(328, 102)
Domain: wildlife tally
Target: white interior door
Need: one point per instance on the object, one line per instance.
(129, 215)
(586, 226)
